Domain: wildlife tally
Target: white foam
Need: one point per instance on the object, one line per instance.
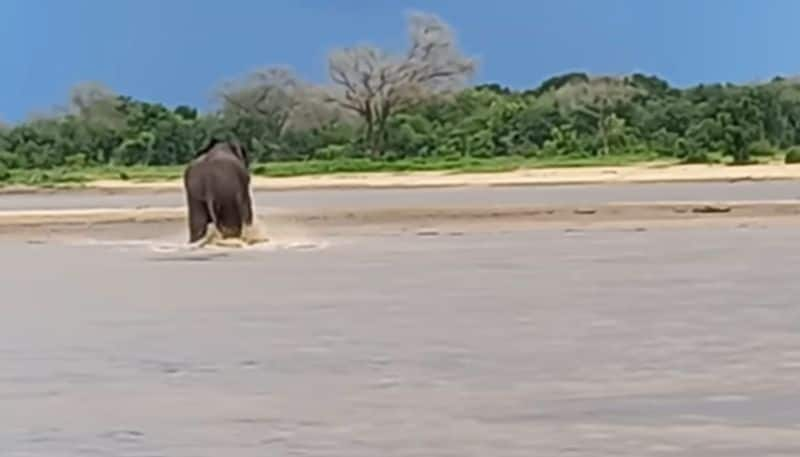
(253, 238)
(211, 243)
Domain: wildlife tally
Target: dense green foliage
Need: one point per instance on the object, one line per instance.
(570, 116)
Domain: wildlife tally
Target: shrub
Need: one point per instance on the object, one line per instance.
(75, 160)
(743, 161)
(793, 155)
(5, 174)
(697, 157)
(38, 177)
(335, 151)
(260, 169)
(761, 148)
(10, 160)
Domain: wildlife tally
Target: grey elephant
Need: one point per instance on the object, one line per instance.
(217, 186)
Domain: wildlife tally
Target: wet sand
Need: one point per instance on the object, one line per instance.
(124, 224)
(639, 339)
(497, 208)
(395, 198)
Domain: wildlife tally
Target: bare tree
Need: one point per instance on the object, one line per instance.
(270, 94)
(90, 101)
(374, 85)
(598, 98)
(96, 103)
(276, 97)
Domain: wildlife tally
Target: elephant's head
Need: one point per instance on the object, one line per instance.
(233, 147)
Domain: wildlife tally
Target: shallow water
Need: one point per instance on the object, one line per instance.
(602, 343)
(448, 197)
(254, 239)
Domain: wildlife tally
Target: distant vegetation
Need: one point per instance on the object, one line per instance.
(410, 111)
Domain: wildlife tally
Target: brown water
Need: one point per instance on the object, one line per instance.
(598, 343)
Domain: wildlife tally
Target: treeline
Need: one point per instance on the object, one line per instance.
(419, 105)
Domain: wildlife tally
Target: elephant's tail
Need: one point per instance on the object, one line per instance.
(212, 212)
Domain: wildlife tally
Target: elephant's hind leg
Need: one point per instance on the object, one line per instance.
(229, 221)
(246, 209)
(198, 220)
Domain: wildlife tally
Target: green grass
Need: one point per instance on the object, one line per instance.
(72, 177)
(453, 165)
(76, 177)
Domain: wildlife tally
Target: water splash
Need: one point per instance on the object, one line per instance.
(254, 238)
(251, 235)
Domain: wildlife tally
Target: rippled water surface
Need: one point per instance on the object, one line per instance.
(599, 343)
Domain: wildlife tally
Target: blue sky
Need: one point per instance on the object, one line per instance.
(178, 51)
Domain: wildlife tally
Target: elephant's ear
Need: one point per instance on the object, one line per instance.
(213, 141)
(243, 153)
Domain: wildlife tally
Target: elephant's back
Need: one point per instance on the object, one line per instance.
(221, 175)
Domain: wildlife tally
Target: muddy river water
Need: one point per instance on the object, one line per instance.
(543, 342)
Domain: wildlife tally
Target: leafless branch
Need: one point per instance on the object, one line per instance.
(374, 85)
(274, 95)
(95, 103)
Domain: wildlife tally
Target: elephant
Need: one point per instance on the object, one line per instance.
(217, 187)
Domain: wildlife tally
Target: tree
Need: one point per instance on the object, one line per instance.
(186, 112)
(652, 85)
(742, 124)
(96, 104)
(415, 104)
(564, 141)
(599, 98)
(559, 81)
(495, 88)
(270, 103)
(375, 85)
(706, 135)
(272, 95)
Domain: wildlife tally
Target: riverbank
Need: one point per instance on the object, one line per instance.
(453, 217)
(642, 173)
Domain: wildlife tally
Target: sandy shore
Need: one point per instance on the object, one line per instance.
(548, 176)
(420, 219)
(416, 216)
